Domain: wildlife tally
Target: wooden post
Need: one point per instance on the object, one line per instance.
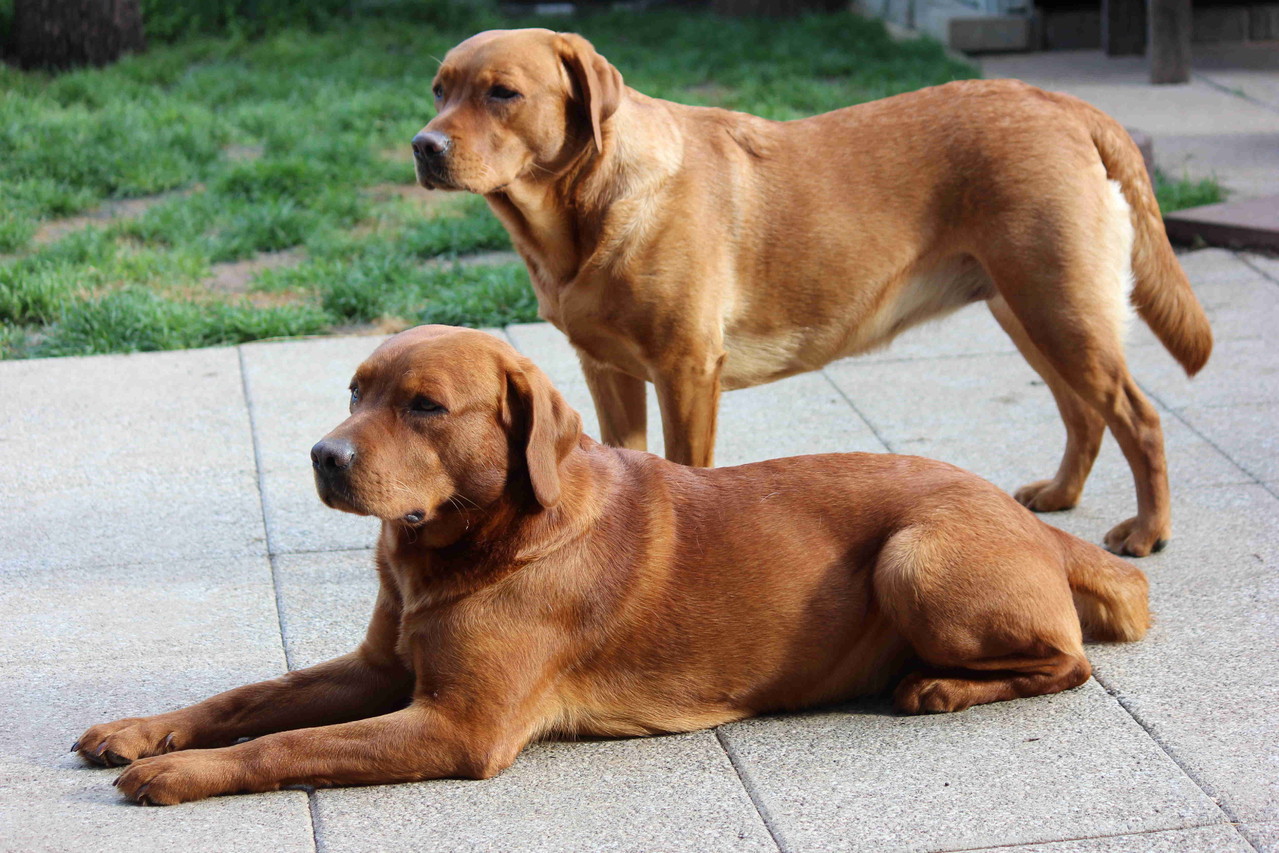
(1169, 41)
(1123, 27)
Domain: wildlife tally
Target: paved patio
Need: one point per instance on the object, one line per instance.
(163, 542)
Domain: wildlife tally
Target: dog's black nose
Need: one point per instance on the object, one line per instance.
(332, 454)
(430, 144)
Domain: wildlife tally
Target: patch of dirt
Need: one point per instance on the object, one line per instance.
(381, 326)
(429, 202)
(242, 153)
(111, 211)
(480, 259)
(233, 278)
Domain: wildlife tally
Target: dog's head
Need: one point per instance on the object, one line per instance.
(445, 420)
(513, 104)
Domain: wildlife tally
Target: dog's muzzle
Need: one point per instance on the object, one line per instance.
(331, 459)
(430, 153)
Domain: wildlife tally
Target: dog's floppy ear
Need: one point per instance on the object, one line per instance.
(598, 81)
(551, 429)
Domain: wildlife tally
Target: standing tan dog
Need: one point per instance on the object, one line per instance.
(702, 249)
(537, 584)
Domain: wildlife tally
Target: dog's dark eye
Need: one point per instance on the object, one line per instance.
(501, 93)
(355, 395)
(426, 406)
(438, 91)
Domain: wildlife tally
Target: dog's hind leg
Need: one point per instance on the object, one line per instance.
(1066, 279)
(1084, 426)
(989, 616)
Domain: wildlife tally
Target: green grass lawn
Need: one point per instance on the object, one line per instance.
(298, 141)
(290, 142)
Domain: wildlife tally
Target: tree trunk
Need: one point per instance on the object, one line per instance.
(60, 34)
(1169, 47)
(773, 8)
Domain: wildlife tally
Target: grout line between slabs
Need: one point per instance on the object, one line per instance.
(743, 776)
(1235, 93)
(1246, 261)
(874, 431)
(275, 581)
(1253, 478)
(1202, 785)
(1021, 844)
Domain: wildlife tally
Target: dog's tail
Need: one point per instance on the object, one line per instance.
(1111, 595)
(1161, 292)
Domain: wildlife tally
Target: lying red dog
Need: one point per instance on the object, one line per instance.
(536, 584)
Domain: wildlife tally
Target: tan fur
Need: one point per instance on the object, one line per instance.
(535, 583)
(705, 250)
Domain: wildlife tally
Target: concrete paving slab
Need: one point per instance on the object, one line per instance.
(1240, 372)
(50, 800)
(1203, 682)
(1010, 432)
(802, 414)
(131, 516)
(46, 706)
(1246, 434)
(93, 443)
(77, 810)
(90, 418)
(1267, 265)
(1042, 769)
(326, 600)
(1263, 836)
(121, 614)
(665, 793)
(1221, 838)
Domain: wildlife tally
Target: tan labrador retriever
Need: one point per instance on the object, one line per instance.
(701, 249)
(537, 584)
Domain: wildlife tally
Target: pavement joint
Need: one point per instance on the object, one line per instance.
(1021, 845)
(1247, 261)
(874, 431)
(1202, 785)
(743, 776)
(1230, 90)
(1253, 478)
(271, 557)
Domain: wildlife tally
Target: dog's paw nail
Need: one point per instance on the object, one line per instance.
(1160, 544)
(116, 782)
(75, 747)
(168, 743)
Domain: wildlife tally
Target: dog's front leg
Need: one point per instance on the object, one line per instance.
(416, 743)
(688, 394)
(619, 402)
(365, 683)
(342, 689)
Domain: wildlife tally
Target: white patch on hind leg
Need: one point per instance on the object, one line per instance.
(1119, 239)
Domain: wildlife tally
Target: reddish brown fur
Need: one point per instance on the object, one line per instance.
(701, 249)
(552, 586)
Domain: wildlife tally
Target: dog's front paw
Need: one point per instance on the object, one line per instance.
(165, 780)
(1134, 538)
(1046, 496)
(116, 744)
